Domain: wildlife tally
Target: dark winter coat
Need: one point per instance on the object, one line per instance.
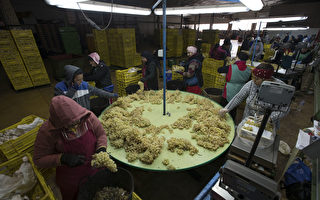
(150, 74)
(100, 75)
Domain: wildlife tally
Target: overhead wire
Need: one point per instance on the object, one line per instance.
(92, 22)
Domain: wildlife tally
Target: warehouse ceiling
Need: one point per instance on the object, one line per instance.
(181, 3)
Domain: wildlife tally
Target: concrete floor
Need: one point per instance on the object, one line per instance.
(183, 185)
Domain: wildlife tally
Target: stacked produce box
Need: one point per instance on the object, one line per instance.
(123, 47)
(189, 38)
(101, 45)
(211, 77)
(71, 40)
(125, 78)
(12, 62)
(174, 42)
(210, 36)
(31, 57)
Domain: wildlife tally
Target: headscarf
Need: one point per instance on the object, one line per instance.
(192, 49)
(95, 57)
(149, 56)
(263, 73)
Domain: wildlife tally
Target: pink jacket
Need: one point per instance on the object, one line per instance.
(48, 146)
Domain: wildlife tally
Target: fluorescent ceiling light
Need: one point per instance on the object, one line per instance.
(274, 19)
(61, 2)
(253, 5)
(101, 7)
(286, 28)
(201, 10)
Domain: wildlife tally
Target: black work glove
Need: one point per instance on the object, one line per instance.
(101, 149)
(72, 160)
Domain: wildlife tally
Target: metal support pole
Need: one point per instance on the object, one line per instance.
(181, 21)
(255, 44)
(211, 20)
(156, 4)
(164, 28)
(258, 137)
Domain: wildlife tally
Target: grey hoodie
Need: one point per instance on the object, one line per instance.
(81, 94)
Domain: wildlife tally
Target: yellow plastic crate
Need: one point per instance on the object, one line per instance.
(41, 191)
(23, 143)
(208, 80)
(219, 81)
(135, 196)
(211, 65)
(124, 79)
(205, 47)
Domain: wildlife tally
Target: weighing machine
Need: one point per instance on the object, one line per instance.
(242, 182)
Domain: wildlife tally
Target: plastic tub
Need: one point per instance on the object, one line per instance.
(213, 93)
(122, 178)
(175, 85)
(131, 89)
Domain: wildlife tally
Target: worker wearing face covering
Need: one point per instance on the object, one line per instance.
(149, 71)
(75, 88)
(67, 141)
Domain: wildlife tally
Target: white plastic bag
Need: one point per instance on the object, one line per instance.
(22, 181)
(28, 127)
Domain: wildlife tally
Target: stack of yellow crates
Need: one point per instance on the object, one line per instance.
(205, 48)
(210, 36)
(189, 38)
(122, 46)
(101, 45)
(30, 54)
(211, 77)
(124, 78)
(12, 62)
(174, 41)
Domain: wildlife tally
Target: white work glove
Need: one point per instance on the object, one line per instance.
(223, 112)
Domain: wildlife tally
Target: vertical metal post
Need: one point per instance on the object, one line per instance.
(164, 29)
(255, 44)
(181, 21)
(258, 137)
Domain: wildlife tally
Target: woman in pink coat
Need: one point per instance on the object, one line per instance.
(67, 141)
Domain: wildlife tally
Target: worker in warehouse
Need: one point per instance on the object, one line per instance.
(100, 73)
(67, 142)
(80, 91)
(149, 71)
(237, 75)
(192, 76)
(249, 92)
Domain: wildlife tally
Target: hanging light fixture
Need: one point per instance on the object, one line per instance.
(99, 6)
(201, 10)
(253, 5)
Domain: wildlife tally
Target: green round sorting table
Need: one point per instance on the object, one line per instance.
(181, 162)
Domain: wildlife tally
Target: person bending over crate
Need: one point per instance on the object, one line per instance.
(67, 141)
(237, 75)
(80, 91)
